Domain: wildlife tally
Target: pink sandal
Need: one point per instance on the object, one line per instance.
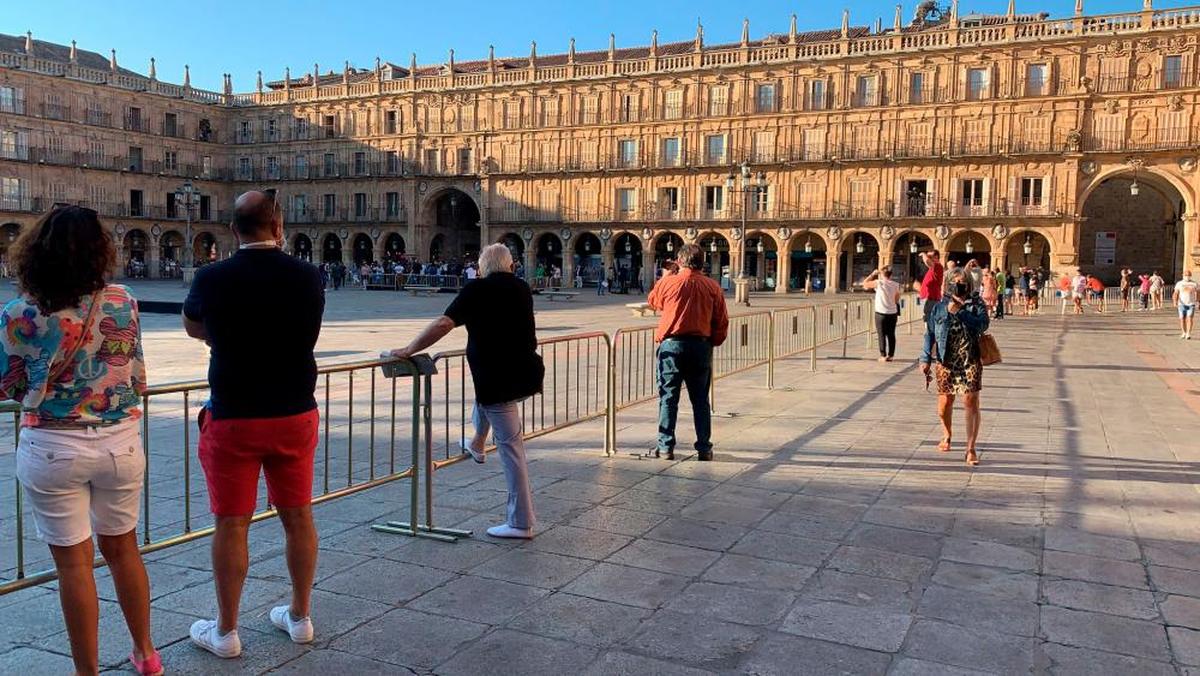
(151, 666)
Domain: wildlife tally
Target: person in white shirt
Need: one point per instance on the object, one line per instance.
(1079, 285)
(1156, 290)
(1185, 294)
(887, 310)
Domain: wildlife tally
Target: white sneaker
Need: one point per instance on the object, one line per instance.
(478, 456)
(300, 630)
(1183, 336)
(507, 531)
(205, 634)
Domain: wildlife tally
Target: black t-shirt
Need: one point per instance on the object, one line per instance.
(262, 311)
(501, 340)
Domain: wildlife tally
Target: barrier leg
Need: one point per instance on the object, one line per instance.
(428, 529)
(812, 354)
(845, 329)
(771, 351)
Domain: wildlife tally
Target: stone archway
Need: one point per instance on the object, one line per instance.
(589, 258)
(394, 247)
(762, 260)
(204, 249)
(906, 257)
(331, 249)
(859, 257)
(8, 236)
(809, 262)
(1132, 220)
(1027, 249)
(718, 256)
(170, 250)
(302, 247)
(135, 252)
(363, 248)
(549, 248)
(454, 216)
(967, 245)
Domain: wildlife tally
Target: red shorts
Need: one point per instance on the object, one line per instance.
(233, 451)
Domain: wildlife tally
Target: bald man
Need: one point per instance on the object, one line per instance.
(260, 311)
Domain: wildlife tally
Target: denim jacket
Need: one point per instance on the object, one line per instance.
(973, 315)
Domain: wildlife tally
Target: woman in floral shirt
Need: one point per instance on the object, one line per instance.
(71, 356)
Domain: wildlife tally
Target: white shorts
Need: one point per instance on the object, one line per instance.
(80, 481)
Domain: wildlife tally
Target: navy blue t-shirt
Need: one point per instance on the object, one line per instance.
(262, 312)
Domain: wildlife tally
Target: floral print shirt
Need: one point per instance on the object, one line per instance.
(106, 377)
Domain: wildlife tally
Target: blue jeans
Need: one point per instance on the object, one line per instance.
(684, 361)
(504, 421)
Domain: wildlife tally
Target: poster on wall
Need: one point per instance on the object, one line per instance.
(1106, 248)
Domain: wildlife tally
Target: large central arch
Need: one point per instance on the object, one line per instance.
(1133, 219)
(451, 216)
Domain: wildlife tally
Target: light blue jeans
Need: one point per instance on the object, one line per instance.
(504, 422)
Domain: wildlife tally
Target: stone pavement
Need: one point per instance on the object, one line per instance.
(829, 536)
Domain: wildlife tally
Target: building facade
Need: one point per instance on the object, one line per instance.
(806, 159)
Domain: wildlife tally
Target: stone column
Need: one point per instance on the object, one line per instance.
(833, 269)
(152, 260)
(714, 265)
(783, 269)
(568, 266)
(648, 272)
(530, 261)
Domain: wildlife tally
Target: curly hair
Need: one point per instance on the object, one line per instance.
(63, 258)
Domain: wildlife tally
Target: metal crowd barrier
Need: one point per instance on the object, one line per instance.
(368, 420)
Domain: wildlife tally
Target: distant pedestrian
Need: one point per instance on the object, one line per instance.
(1078, 289)
(1126, 288)
(497, 310)
(1144, 292)
(1185, 296)
(931, 284)
(1096, 292)
(260, 312)
(1004, 290)
(887, 310)
(1157, 284)
(692, 321)
(988, 291)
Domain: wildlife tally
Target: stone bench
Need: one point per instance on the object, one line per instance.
(422, 290)
(556, 295)
(640, 309)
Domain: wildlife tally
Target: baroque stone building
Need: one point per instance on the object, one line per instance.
(1013, 139)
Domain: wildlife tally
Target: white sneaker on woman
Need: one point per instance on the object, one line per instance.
(206, 635)
(478, 456)
(507, 531)
(300, 630)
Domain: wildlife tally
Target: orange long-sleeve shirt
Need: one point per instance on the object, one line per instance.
(689, 304)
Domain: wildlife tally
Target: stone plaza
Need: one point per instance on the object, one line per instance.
(829, 536)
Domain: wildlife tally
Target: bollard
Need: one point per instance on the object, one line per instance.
(419, 368)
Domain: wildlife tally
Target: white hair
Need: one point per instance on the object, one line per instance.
(495, 258)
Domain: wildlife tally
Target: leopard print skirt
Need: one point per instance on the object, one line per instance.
(959, 371)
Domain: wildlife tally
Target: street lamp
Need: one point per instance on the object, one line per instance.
(185, 197)
(1028, 248)
(746, 184)
(808, 245)
(970, 248)
(858, 246)
(912, 244)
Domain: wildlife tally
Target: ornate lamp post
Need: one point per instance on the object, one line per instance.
(185, 197)
(745, 184)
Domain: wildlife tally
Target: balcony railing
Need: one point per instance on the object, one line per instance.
(97, 118)
(55, 111)
(1158, 138)
(137, 123)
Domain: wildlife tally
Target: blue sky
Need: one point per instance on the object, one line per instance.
(218, 36)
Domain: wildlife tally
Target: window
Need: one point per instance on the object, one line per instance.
(668, 201)
(12, 193)
(464, 161)
(916, 88)
(272, 167)
(330, 205)
(94, 115)
(171, 160)
(205, 208)
(971, 197)
(206, 166)
(329, 165)
(627, 109)
(763, 149)
(548, 109)
(627, 153)
(512, 114)
(329, 125)
(866, 92)
(977, 84)
(135, 203)
(626, 200)
(171, 206)
(392, 204)
(714, 149)
(673, 105)
(389, 122)
(431, 161)
(96, 153)
(670, 152)
(764, 98)
(393, 162)
(360, 163)
(245, 135)
(134, 122)
(301, 128)
(12, 100)
(360, 204)
(814, 144)
(1035, 80)
(1031, 192)
(591, 107)
(718, 100)
(714, 198)
(861, 196)
(272, 130)
(300, 206)
(13, 146)
(818, 95)
(170, 124)
(760, 198)
(135, 158)
(244, 168)
(301, 163)
(1173, 71)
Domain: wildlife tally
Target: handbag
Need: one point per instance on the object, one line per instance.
(989, 351)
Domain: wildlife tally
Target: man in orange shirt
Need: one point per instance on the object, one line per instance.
(692, 321)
